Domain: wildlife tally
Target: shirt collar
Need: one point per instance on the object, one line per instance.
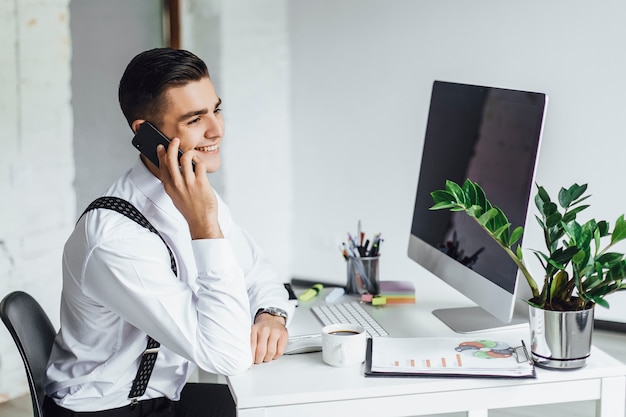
(151, 187)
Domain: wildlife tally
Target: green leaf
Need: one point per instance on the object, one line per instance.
(502, 233)
(603, 227)
(580, 200)
(543, 226)
(541, 256)
(554, 235)
(475, 211)
(454, 189)
(599, 272)
(565, 198)
(610, 258)
(481, 198)
(596, 239)
(553, 219)
(439, 196)
(563, 256)
(516, 235)
(487, 216)
(542, 194)
(619, 233)
(539, 203)
(576, 191)
(574, 231)
(469, 188)
(617, 271)
(558, 283)
(549, 208)
(501, 217)
(578, 257)
(571, 215)
(443, 205)
(601, 302)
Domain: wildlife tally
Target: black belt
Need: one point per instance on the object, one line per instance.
(155, 407)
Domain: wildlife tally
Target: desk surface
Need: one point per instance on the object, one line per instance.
(304, 385)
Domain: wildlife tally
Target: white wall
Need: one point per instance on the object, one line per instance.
(257, 145)
(102, 147)
(36, 164)
(245, 44)
(362, 72)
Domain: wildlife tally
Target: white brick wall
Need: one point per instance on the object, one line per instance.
(36, 161)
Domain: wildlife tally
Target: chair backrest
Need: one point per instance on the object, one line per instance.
(34, 335)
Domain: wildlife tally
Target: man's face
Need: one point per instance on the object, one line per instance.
(193, 115)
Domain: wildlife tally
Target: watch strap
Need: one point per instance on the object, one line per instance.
(274, 311)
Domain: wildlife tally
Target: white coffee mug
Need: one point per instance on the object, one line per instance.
(343, 344)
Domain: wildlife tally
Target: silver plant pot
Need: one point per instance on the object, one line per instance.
(560, 339)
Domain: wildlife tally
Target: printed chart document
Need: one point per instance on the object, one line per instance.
(448, 356)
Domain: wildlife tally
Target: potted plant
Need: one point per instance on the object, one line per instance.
(580, 266)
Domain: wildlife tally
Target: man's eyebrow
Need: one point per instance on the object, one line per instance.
(198, 112)
(192, 113)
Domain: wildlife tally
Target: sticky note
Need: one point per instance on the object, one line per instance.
(366, 298)
(377, 301)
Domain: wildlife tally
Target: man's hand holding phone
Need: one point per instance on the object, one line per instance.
(190, 191)
(188, 187)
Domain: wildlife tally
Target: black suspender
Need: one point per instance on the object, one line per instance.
(148, 359)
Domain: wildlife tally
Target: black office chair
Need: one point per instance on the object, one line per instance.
(33, 334)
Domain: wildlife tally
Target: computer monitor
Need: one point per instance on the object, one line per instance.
(491, 136)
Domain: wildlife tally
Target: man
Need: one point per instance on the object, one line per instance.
(223, 309)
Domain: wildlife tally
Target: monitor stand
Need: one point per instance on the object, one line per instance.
(475, 319)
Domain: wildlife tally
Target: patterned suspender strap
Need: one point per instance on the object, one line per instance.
(148, 359)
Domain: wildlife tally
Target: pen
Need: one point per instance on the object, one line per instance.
(311, 292)
(353, 245)
(366, 251)
(305, 336)
(344, 251)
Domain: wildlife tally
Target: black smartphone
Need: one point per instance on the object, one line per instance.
(146, 140)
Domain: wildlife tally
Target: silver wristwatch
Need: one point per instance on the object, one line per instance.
(274, 311)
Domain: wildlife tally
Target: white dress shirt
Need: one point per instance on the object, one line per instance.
(118, 287)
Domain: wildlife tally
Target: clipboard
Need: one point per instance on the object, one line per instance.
(464, 357)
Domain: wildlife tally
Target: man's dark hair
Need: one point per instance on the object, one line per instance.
(148, 76)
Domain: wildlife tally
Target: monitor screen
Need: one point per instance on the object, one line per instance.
(491, 136)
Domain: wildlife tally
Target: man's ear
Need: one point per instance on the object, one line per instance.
(136, 124)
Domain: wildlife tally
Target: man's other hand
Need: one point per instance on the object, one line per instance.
(268, 338)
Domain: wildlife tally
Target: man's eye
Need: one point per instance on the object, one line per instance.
(218, 110)
(196, 120)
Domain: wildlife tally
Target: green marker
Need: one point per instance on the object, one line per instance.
(311, 292)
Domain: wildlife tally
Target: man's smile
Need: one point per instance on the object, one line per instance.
(209, 148)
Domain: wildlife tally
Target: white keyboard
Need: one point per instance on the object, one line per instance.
(352, 312)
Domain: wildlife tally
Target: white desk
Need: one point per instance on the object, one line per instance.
(303, 385)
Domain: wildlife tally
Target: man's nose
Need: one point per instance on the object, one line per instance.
(215, 128)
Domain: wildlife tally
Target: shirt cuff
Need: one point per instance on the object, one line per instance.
(213, 255)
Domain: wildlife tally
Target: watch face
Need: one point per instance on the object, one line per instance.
(277, 312)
